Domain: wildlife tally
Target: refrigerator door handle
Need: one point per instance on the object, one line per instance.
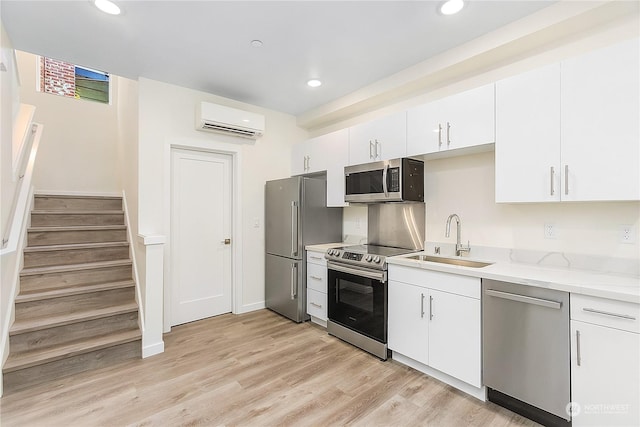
(294, 229)
(294, 275)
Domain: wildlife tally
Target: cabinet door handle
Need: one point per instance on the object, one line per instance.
(578, 356)
(421, 306)
(608, 313)
(371, 156)
(553, 180)
(316, 277)
(448, 134)
(566, 179)
(315, 305)
(439, 135)
(315, 257)
(377, 153)
(308, 163)
(430, 307)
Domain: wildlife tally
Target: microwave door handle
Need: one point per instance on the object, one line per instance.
(385, 173)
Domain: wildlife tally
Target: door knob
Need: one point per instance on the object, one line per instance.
(227, 241)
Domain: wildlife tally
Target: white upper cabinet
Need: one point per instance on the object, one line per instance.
(381, 139)
(528, 136)
(463, 120)
(600, 124)
(301, 156)
(570, 131)
(324, 153)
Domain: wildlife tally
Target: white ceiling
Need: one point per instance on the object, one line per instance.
(205, 45)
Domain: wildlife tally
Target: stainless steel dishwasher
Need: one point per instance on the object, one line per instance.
(526, 344)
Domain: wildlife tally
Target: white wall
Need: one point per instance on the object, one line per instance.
(78, 151)
(9, 100)
(9, 103)
(167, 117)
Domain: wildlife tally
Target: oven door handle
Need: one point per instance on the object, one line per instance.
(379, 276)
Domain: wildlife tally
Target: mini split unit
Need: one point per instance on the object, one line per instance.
(229, 121)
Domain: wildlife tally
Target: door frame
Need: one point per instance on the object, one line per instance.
(205, 146)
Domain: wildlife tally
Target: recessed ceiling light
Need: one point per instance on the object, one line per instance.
(451, 7)
(256, 43)
(107, 7)
(314, 83)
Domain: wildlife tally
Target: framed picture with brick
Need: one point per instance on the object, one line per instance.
(73, 81)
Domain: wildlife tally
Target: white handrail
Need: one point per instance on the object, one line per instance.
(18, 216)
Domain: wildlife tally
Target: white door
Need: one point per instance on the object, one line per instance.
(200, 223)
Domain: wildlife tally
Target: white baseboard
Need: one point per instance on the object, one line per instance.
(251, 307)
(478, 393)
(153, 349)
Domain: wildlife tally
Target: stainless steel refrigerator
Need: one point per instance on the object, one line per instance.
(296, 216)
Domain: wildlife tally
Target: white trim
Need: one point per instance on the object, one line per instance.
(478, 393)
(132, 254)
(246, 308)
(206, 145)
(153, 349)
(152, 240)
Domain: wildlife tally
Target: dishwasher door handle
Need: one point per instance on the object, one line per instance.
(524, 299)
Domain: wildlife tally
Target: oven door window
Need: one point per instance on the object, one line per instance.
(358, 303)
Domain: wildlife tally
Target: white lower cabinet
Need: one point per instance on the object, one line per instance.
(605, 362)
(435, 319)
(317, 287)
(407, 325)
(455, 336)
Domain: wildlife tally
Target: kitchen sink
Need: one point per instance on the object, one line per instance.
(452, 261)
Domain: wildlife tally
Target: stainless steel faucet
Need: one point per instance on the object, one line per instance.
(460, 248)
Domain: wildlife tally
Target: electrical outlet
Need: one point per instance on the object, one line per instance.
(626, 234)
(550, 231)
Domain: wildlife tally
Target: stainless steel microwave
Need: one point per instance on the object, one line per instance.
(397, 180)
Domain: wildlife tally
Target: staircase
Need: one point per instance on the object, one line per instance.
(76, 309)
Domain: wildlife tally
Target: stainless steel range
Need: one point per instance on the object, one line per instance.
(357, 277)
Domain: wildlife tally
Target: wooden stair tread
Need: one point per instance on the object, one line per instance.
(73, 267)
(72, 290)
(27, 359)
(77, 228)
(76, 212)
(46, 248)
(34, 324)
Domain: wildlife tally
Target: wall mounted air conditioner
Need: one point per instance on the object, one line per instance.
(229, 121)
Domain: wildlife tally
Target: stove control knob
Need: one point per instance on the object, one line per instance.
(376, 260)
(368, 258)
(330, 252)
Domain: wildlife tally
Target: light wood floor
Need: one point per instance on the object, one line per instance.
(256, 369)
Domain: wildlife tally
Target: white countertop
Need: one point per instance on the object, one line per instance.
(575, 280)
(604, 285)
